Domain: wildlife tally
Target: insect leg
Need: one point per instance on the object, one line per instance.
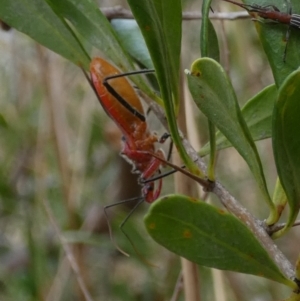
(112, 91)
(295, 21)
(207, 184)
(121, 100)
(128, 237)
(139, 201)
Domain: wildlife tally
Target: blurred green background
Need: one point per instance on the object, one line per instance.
(59, 153)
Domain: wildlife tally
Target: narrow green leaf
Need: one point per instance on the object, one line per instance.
(160, 24)
(257, 113)
(213, 43)
(213, 94)
(209, 48)
(131, 38)
(210, 237)
(273, 38)
(133, 41)
(36, 19)
(93, 26)
(286, 142)
(208, 37)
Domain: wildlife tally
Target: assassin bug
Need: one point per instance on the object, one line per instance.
(271, 12)
(123, 106)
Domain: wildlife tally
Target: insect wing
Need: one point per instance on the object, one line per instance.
(126, 121)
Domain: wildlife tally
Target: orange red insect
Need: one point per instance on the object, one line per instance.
(124, 107)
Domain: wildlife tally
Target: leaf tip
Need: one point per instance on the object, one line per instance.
(187, 71)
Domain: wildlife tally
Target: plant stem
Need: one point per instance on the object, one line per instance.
(184, 185)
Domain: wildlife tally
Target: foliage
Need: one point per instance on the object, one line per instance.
(62, 158)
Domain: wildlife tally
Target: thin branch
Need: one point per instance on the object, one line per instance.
(184, 185)
(257, 227)
(178, 288)
(277, 227)
(118, 12)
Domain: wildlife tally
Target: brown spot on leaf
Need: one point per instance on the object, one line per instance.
(152, 226)
(196, 73)
(187, 233)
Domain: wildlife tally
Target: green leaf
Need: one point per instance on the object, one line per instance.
(160, 24)
(286, 142)
(208, 37)
(213, 94)
(209, 48)
(273, 38)
(93, 26)
(36, 19)
(210, 237)
(213, 43)
(257, 113)
(131, 38)
(133, 41)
